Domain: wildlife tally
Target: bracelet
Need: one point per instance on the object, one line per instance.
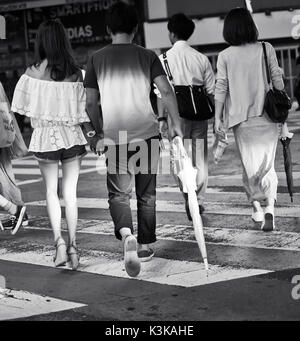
(162, 119)
(91, 133)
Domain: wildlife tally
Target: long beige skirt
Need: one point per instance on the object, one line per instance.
(257, 140)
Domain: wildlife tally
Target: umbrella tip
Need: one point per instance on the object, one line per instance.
(206, 266)
(292, 200)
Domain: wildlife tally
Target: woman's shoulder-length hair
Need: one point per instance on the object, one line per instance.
(239, 27)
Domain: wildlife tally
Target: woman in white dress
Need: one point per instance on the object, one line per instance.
(51, 93)
(240, 91)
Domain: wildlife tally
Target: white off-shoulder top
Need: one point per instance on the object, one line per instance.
(56, 110)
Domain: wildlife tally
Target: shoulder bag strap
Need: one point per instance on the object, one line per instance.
(266, 63)
(167, 67)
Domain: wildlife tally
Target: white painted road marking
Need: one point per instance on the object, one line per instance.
(177, 206)
(21, 304)
(159, 270)
(277, 240)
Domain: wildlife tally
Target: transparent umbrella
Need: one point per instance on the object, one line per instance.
(187, 175)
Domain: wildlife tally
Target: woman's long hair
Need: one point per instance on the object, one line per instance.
(52, 43)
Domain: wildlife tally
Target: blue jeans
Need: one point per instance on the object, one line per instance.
(120, 185)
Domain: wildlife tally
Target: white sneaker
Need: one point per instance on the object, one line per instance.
(131, 259)
(268, 224)
(258, 216)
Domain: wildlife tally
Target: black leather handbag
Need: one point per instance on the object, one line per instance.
(193, 102)
(277, 102)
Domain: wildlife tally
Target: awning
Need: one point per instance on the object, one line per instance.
(17, 5)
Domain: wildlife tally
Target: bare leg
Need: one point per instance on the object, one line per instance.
(270, 202)
(256, 206)
(7, 205)
(125, 232)
(50, 174)
(69, 191)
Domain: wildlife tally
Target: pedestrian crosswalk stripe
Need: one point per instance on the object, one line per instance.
(20, 304)
(159, 270)
(36, 171)
(100, 167)
(177, 206)
(256, 239)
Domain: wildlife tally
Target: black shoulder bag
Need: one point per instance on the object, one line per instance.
(277, 102)
(193, 101)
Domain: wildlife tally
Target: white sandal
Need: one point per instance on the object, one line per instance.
(60, 258)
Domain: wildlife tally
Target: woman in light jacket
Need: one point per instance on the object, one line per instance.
(241, 88)
(51, 93)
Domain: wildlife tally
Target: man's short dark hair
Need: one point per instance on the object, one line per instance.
(122, 18)
(239, 27)
(182, 26)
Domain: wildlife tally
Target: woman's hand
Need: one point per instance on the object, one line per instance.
(285, 132)
(218, 127)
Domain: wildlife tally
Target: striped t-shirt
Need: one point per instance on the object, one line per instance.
(124, 74)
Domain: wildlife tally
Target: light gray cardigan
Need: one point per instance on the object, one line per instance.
(242, 83)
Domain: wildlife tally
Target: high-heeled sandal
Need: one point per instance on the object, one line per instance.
(60, 257)
(73, 256)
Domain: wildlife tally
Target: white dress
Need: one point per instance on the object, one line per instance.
(56, 110)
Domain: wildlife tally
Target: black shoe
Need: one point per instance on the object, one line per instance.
(15, 221)
(201, 209)
(25, 220)
(187, 210)
(145, 255)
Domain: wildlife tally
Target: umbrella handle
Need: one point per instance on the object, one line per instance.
(179, 144)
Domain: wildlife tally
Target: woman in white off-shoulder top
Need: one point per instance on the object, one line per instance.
(51, 93)
(241, 88)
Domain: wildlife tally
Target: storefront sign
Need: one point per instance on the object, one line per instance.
(13, 24)
(84, 22)
(162, 9)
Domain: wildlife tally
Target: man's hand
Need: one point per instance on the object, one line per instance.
(163, 129)
(176, 130)
(97, 145)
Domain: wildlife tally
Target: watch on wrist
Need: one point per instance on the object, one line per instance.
(91, 133)
(162, 119)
